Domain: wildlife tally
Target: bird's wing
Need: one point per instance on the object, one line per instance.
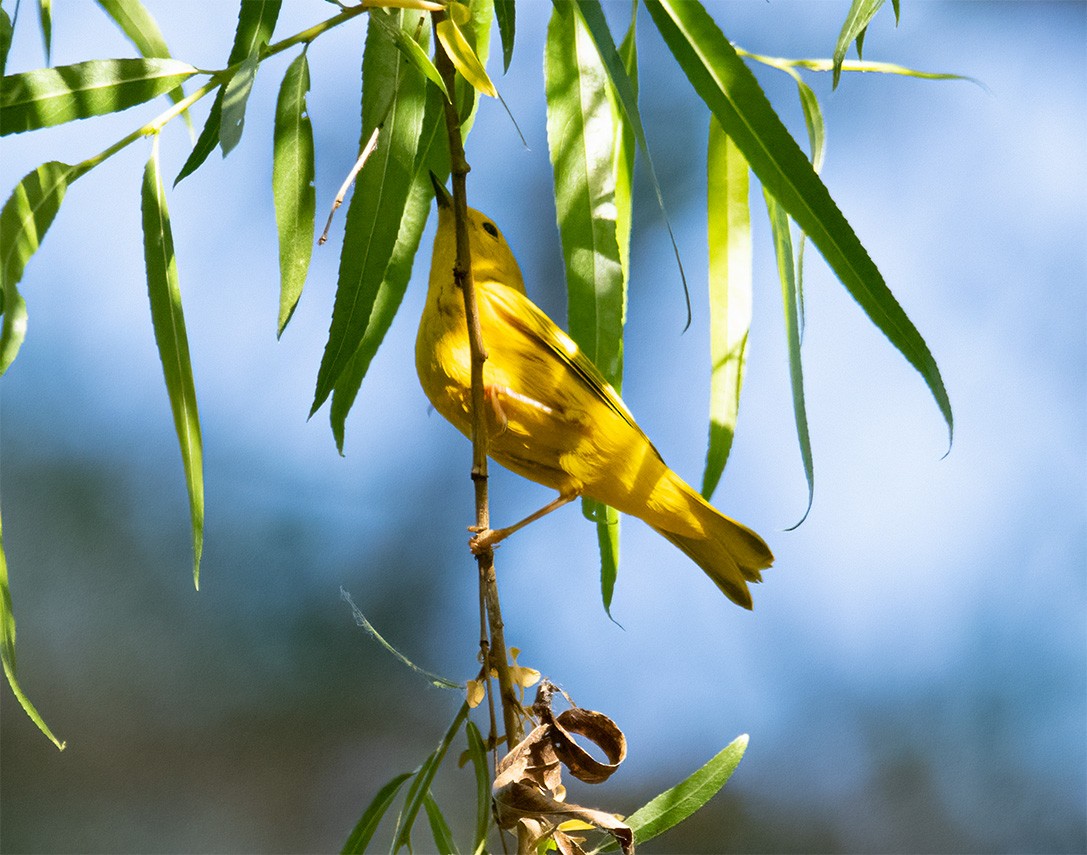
(519, 313)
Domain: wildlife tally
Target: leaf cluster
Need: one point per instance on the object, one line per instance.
(595, 132)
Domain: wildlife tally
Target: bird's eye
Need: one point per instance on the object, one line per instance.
(490, 229)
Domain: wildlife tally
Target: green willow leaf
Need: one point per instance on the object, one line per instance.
(364, 829)
(424, 777)
(7, 650)
(856, 22)
(52, 96)
(292, 186)
(386, 304)
(206, 142)
(45, 17)
(24, 220)
(783, 251)
(168, 322)
(464, 56)
(477, 753)
(730, 283)
(235, 97)
(412, 50)
(256, 23)
(5, 40)
(676, 804)
(733, 95)
(143, 31)
(853, 65)
(585, 134)
(394, 98)
(592, 14)
(507, 27)
(443, 837)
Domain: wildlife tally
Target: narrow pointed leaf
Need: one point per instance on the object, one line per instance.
(676, 804)
(7, 650)
(507, 26)
(206, 142)
(5, 40)
(256, 23)
(394, 96)
(359, 839)
(585, 134)
(24, 220)
(412, 50)
(143, 31)
(386, 304)
(464, 57)
(730, 284)
(477, 753)
(443, 837)
(783, 252)
(733, 95)
(626, 94)
(51, 96)
(894, 5)
(45, 17)
(853, 65)
(292, 186)
(168, 322)
(424, 777)
(856, 21)
(235, 97)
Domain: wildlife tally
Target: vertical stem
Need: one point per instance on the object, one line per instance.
(462, 274)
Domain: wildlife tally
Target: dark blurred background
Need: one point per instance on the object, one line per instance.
(913, 677)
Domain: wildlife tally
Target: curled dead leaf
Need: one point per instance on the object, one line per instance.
(528, 787)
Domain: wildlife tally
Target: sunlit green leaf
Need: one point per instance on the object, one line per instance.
(585, 134)
(507, 26)
(256, 23)
(411, 49)
(443, 837)
(477, 753)
(168, 322)
(45, 17)
(235, 97)
(359, 839)
(389, 296)
(856, 21)
(676, 804)
(730, 278)
(394, 97)
(7, 650)
(5, 40)
(626, 93)
(730, 90)
(464, 56)
(51, 96)
(24, 220)
(143, 31)
(854, 65)
(292, 186)
(783, 252)
(206, 142)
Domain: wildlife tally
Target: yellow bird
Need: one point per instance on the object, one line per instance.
(551, 415)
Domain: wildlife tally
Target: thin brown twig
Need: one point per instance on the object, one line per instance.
(462, 274)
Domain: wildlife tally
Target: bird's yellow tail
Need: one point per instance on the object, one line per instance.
(730, 553)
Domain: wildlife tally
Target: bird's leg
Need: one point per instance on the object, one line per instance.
(489, 537)
(492, 394)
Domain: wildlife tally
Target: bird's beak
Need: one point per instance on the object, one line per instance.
(441, 195)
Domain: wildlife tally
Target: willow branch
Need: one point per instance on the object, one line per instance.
(462, 274)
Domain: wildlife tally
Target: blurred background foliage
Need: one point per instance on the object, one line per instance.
(914, 676)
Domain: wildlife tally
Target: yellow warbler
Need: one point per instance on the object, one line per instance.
(552, 417)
